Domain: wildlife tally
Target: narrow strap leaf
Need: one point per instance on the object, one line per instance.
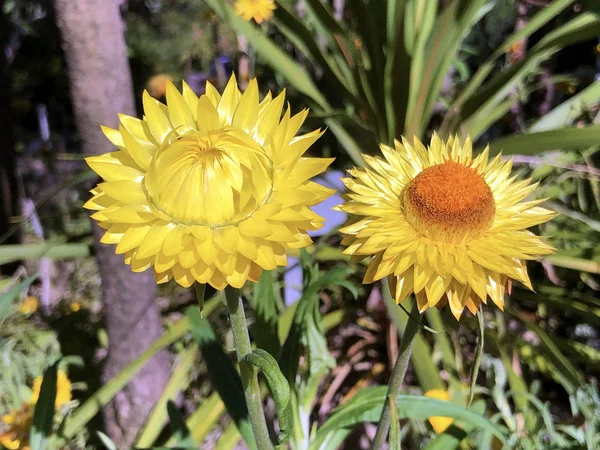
(200, 291)
(477, 362)
(279, 386)
(44, 410)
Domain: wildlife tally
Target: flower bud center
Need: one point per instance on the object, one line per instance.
(215, 178)
(449, 202)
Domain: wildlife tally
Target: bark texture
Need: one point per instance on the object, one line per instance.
(100, 82)
(9, 193)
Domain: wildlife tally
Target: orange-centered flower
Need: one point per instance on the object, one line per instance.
(442, 225)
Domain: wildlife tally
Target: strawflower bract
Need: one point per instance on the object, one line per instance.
(17, 426)
(259, 10)
(442, 225)
(212, 189)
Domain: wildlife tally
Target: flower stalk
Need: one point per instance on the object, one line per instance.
(249, 375)
(397, 377)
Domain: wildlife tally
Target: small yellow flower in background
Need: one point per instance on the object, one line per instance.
(17, 425)
(29, 305)
(75, 306)
(258, 10)
(157, 85)
(63, 389)
(439, 424)
(212, 189)
(442, 225)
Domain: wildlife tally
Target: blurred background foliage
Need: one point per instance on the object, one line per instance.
(522, 75)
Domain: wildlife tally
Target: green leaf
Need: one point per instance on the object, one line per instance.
(265, 306)
(448, 32)
(179, 381)
(561, 139)
(84, 413)
(477, 361)
(222, 373)
(533, 24)
(271, 53)
(183, 437)
(280, 389)
(457, 432)
(565, 113)
(366, 406)
(43, 417)
(11, 253)
(7, 298)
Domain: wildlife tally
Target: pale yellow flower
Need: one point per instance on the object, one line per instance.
(438, 423)
(259, 10)
(210, 190)
(75, 306)
(29, 305)
(63, 389)
(442, 225)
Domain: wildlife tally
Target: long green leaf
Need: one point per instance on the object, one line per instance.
(453, 436)
(43, 416)
(7, 298)
(583, 27)
(366, 407)
(265, 305)
(561, 139)
(182, 434)
(565, 113)
(10, 253)
(273, 55)
(533, 24)
(222, 373)
(179, 381)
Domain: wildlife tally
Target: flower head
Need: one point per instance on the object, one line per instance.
(212, 189)
(63, 389)
(439, 423)
(29, 305)
(442, 225)
(258, 10)
(157, 85)
(17, 425)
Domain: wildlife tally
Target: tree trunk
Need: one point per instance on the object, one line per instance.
(101, 87)
(9, 193)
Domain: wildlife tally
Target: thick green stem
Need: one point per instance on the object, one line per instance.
(412, 327)
(249, 375)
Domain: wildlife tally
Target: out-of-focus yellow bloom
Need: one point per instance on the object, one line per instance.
(157, 85)
(212, 189)
(258, 10)
(75, 306)
(439, 424)
(442, 225)
(29, 305)
(63, 389)
(17, 425)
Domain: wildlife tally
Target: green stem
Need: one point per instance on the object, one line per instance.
(249, 375)
(412, 327)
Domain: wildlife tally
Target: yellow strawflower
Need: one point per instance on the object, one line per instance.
(442, 225)
(17, 425)
(29, 305)
(63, 389)
(439, 423)
(258, 10)
(212, 189)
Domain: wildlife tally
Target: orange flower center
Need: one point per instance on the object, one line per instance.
(449, 202)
